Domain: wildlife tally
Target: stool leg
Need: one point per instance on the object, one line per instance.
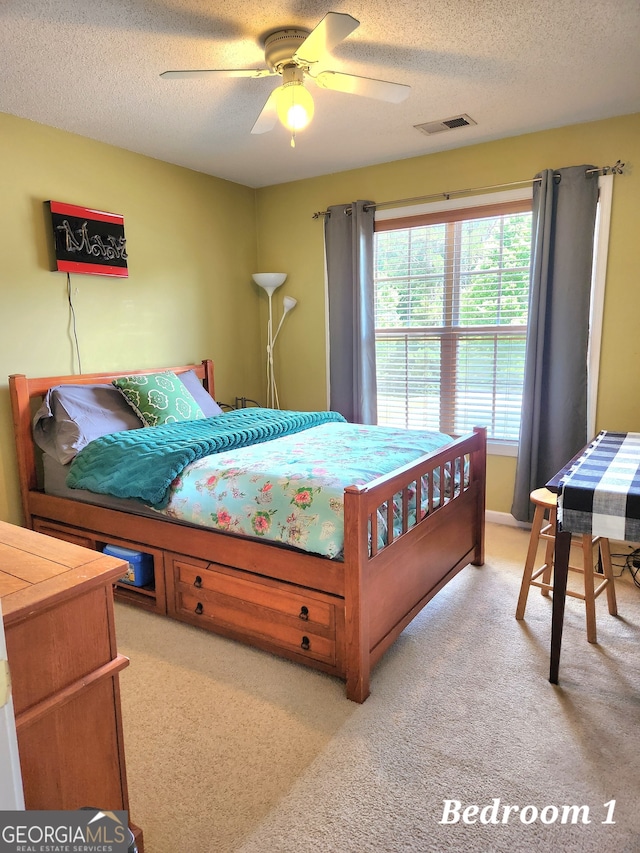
(548, 554)
(605, 554)
(589, 598)
(538, 519)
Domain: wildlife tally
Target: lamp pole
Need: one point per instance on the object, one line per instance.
(272, 393)
(269, 281)
(288, 304)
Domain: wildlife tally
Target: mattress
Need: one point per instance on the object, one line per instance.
(55, 483)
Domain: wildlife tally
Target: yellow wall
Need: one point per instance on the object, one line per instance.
(194, 241)
(289, 239)
(191, 242)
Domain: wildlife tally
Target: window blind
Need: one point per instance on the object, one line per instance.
(452, 293)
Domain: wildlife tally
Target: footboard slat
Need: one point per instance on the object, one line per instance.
(430, 500)
(391, 519)
(405, 507)
(419, 496)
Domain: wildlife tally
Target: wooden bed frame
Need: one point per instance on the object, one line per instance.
(338, 617)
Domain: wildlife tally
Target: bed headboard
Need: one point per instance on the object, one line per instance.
(25, 392)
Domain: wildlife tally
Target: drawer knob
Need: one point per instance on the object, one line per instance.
(199, 608)
(304, 613)
(198, 581)
(305, 644)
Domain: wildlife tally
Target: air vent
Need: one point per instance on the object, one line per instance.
(431, 127)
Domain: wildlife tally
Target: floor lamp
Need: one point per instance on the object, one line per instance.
(269, 281)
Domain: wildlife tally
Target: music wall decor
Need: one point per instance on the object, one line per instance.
(88, 241)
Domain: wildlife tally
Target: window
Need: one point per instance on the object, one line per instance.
(452, 292)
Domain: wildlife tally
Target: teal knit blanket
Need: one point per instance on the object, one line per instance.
(143, 463)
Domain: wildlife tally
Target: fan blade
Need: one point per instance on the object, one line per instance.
(268, 117)
(382, 90)
(227, 72)
(332, 29)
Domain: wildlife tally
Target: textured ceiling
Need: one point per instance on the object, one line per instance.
(92, 67)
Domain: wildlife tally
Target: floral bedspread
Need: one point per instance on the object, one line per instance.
(291, 489)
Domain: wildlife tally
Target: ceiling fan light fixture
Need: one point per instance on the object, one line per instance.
(294, 104)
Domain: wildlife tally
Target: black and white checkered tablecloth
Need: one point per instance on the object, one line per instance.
(601, 493)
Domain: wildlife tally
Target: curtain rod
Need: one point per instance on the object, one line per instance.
(616, 169)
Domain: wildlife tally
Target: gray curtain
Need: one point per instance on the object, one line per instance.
(352, 360)
(554, 407)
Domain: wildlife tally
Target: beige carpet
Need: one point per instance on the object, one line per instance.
(230, 749)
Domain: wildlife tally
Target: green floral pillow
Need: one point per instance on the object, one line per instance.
(159, 398)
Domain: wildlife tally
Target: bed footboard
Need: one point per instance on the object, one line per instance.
(432, 512)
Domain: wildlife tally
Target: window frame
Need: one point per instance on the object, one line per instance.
(479, 206)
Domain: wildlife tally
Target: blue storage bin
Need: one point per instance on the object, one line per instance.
(140, 571)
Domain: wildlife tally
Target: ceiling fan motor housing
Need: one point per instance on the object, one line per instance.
(280, 46)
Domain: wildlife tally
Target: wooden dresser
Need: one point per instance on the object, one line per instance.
(57, 604)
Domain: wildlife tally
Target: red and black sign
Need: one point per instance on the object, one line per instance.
(88, 241)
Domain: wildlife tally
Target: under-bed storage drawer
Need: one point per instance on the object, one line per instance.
(273, 614)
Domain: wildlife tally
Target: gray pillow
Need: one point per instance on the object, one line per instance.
(73, 415)
(206, 402)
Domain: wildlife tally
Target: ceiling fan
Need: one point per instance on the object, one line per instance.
(295, 54)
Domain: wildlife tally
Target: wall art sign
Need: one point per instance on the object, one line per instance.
(88, 241)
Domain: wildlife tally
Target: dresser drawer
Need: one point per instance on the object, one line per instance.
(57, 646)
(289, 619)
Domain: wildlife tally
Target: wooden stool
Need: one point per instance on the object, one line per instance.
(544, 527)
